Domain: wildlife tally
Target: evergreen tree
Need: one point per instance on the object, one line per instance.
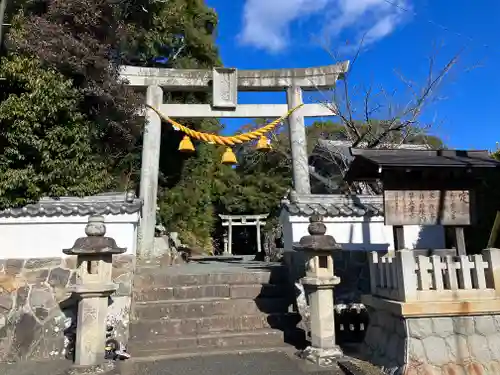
(80, 45)
(262, 179)
(81, 39)
(180, 34)
(46, 142)
(66, 118)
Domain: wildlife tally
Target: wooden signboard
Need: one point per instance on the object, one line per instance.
(427, 207)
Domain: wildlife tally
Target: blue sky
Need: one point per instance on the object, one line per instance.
(269, 34)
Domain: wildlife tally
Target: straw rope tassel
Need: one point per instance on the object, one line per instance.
(225, 140)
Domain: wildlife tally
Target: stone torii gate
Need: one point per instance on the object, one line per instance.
(224, 84)
(231, 221)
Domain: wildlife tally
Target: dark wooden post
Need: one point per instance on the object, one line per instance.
(399, 237)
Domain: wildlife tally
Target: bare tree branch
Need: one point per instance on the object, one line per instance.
(415, 107)
(398, 124)
(384, 118)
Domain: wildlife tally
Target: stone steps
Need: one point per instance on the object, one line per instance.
(182, 313)
(206, 307)
(146, 329)
(207, 291)
(158, 277)
(239, 341)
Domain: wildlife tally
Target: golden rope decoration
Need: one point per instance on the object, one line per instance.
(225, 140)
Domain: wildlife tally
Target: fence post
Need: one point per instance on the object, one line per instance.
(373, 260)
(407, 278)
(492, 274)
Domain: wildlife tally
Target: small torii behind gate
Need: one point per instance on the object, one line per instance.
(241, 220)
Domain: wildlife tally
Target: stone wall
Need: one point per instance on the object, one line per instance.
(37, 314)
(384, 343)
(432, 346)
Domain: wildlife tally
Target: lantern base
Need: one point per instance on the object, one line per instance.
(320, 282)
(104, 368)
(322, 357)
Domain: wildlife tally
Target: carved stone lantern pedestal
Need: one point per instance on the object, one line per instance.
(94, 266)
(319, 283)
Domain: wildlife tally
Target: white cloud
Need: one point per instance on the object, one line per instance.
(267, 23)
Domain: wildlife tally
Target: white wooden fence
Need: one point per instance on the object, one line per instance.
(406, 277)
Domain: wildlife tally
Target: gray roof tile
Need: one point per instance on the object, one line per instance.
(425, 158)
(102, 204)
(335, 205)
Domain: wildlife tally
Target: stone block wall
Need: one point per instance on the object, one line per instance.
(434, 346)
(384, 343)
(37, 313)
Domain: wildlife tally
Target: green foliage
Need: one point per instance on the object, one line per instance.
(77, 132)
(76, 42)
(496, 154)
(182, 31)
(261, 180)
(257, 185)
(46, 142)
(174, 24)
(70, 126)
(81, 40)
(187, 207)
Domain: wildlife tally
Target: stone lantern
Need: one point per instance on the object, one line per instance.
(94, 287)
(319, 283)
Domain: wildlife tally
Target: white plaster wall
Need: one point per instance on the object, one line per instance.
(360, 233)
(41, 237)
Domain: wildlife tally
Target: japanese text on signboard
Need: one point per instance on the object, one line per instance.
(427, 207)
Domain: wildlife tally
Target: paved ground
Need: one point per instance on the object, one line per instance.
(257, 363)
(275, 363)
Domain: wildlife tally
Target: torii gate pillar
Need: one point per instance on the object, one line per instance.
(150, 167)
(298, 143)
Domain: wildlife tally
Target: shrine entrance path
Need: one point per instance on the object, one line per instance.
(249, 363)
(261, 361)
